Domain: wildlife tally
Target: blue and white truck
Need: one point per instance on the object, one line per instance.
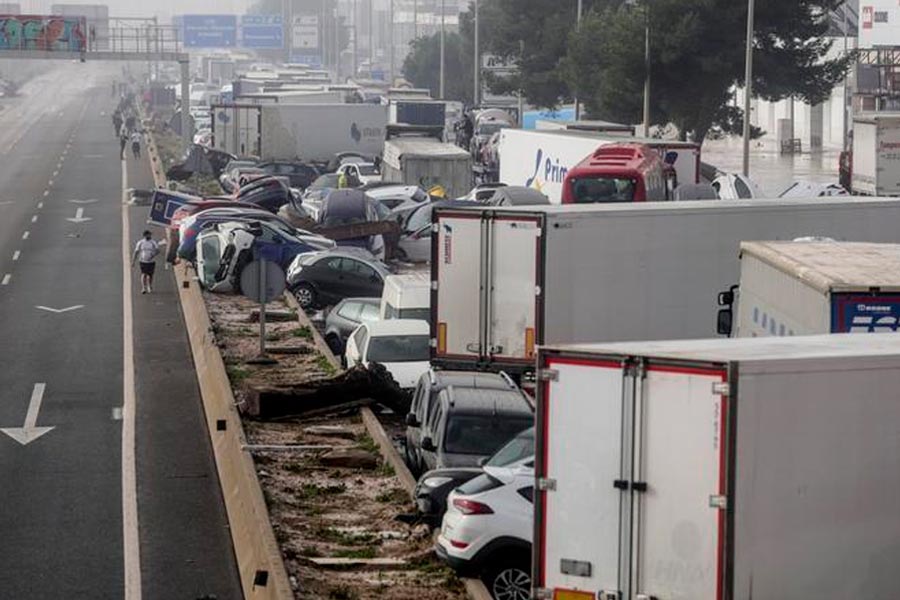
(813, 287)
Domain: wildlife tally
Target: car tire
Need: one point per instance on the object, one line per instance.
(509, 579)
(305, 295)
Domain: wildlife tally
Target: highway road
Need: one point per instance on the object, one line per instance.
(107, 484)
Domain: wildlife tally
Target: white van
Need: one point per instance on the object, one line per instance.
(407, 296)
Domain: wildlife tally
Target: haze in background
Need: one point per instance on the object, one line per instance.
(142, 8)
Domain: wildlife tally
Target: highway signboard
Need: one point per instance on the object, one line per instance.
(210, 31)
(262, 31)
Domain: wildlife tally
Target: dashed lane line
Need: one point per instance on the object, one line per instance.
(25, 235)
(16, 255)
(6, 279)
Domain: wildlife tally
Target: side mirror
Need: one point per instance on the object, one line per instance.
(726, 298)
(428, 444)
(411, 420)
(724, 322)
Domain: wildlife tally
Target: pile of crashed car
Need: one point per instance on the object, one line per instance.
(350, 246)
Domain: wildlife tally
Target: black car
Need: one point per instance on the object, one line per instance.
(299, 174)
(345, 317)
(326, 278)
(270, 193)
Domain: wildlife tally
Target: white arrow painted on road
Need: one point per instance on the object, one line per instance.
(89, 201)
(59, 310)
(30, 432)
(79, 217)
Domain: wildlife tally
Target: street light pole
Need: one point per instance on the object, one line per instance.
(475, 92)
(578, 11)
(646, 70)
(748, 86)
(442, 51)
(391, 40)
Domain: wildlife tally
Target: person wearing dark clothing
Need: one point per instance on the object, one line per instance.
(123, 141)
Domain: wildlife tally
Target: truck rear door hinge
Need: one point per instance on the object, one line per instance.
(546, 484)
(720, 502)
(721, 388)
(548, 375)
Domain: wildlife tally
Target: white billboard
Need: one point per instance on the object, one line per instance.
(305, 32)
(879, 23)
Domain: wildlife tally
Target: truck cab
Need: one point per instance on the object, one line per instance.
(627, 172)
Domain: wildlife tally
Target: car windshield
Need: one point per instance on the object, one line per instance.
(491, 128)
(398, 348)
(521, 446)
(481, 434)
(587, 190)
(367, 170)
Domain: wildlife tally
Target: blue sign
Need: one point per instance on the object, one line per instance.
(262, 31)
(310, 60)
(862, 313)
(210, 31)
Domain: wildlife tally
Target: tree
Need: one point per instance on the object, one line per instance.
(697, 59)
(422, 66)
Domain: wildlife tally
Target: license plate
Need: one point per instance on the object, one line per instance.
(572, 595)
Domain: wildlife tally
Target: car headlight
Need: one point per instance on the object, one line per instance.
(436, 482)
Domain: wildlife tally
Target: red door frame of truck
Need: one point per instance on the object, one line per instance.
(541, 468)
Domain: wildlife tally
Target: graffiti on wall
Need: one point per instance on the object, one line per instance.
(36, 32)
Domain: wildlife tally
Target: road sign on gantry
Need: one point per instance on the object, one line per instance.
(262, 31)
(210, 31)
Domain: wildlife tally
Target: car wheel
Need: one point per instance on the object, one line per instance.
(509, 581)
(305, 295)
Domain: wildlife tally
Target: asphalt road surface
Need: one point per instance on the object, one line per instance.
(106, 474)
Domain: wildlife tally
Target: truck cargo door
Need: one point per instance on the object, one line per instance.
(580, 470)
(679, 483)
(514, 262)
(458, 267)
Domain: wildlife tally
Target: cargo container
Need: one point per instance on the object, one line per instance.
(427, 162)
(418, 112)
(541, 159)
(805, 288)
(508, 279)
(875, 169)
(718, 469)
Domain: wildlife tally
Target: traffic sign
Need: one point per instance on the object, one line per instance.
(262, 31)
(253, 281)
(210, 31)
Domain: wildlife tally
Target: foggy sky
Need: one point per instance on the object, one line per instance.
(146, 8)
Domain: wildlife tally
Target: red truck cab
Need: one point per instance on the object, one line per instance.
(626, 172)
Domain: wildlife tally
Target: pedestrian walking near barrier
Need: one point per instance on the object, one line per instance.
(136, 138)
(145, 252)
(123, 141)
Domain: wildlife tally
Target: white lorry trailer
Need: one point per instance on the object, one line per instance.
(719, 469)
(427, 162)
(541, 159)
(806, 288)
(876, 155)
(310, 132)
(509, 279)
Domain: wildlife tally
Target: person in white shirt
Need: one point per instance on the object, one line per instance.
(136, 139)
(145, 252)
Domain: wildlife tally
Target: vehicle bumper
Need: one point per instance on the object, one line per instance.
(462, 566)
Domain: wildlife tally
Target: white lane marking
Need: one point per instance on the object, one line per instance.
(55, 173)
(59, 311)
(79, 217)
(117, 413)
(16, 255)
(130, 533)
(34, 218)
(46, 193)
(6, 279)
(30, 431)
(88, 201)
(40, 205)
(51, 183)
(25, 235)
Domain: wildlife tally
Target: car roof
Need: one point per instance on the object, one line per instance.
(471, 379)
(362, 256)
(519, 196)
(391, 327)
(486, 401)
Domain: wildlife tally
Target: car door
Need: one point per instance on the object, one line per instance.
(433, 431)
(348, 318)
(417, 409)
(326, 278)
(360, 279)
(356, 345)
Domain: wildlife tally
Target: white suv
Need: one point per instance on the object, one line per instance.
(487, 529)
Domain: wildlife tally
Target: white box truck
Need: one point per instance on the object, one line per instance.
(541, 159)
(719, 469)
(406, 296)
(427, 162)
(506, 280)
(309, 132)
(806, 288)
(876, 154)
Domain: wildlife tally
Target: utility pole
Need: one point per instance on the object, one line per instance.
(355, 11)
(847, 109)
(415, 19)
(646, 69)
(391, 40)
(578, 11)
(748, 87)
(476, 92)
(442, 51)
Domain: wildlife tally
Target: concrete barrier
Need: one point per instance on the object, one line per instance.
(262, 572)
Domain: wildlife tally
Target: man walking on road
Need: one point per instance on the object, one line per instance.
(123, 141)
(145, 252)
(136, 143)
